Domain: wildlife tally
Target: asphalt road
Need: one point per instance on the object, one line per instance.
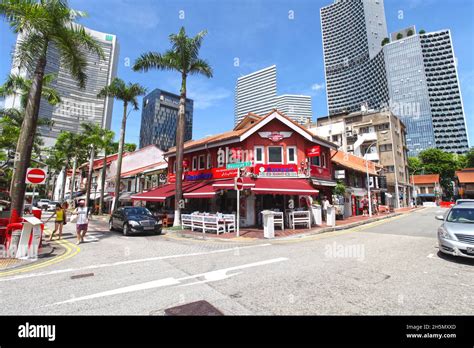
(390, 267)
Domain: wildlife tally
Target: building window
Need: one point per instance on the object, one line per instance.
(194, 163)
(315, 161)
(209, 162)
(201, 162)
(385, 147)
(323, 160)
(129, 185)
(291, 154)
(174, 167)
(390, 169)
(275, 154)
(258, 154)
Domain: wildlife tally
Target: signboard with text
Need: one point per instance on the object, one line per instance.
(276, 170)
(313, 151)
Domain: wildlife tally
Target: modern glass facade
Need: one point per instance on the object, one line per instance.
(160, 118)
(425, 93)
(352, 32)
(78, 105)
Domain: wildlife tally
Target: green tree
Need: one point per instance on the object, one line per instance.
(183, 57)
(399, 36)
(470, 158)
(414, 165)
(385, 41)
(128, 94)
(421, 32)
(410, 32)
(42, 24)
(107, 145)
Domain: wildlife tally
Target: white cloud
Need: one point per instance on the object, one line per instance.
(317, 86)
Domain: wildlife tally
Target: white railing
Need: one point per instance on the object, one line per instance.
(208, 222)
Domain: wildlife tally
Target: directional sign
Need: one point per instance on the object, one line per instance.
(239, 165)
(35, 176)
(239, 184)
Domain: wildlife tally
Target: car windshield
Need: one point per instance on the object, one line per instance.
(465, 216)
(137, 211)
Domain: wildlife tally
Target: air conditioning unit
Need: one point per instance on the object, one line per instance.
(350, 147)
(348, 128)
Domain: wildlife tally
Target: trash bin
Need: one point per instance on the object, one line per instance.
(268, 224)
(331, 216)
(317, 217)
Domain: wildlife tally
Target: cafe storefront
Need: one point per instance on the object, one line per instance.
(275, 170)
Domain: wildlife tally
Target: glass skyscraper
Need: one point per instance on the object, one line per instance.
(160, 118)
(424, 91)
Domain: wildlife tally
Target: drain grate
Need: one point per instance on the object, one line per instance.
(201, 308)
(82, 275)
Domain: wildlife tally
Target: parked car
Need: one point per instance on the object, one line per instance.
(462, 201)
(456, 234)
(134, 220)
(43, 203)
(52, 205)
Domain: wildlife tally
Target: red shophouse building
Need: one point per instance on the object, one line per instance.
(288, 165)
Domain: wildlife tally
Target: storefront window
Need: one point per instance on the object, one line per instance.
(209, 163)
(291, 154)
(194, 163)
(275, 154)
(259, 154)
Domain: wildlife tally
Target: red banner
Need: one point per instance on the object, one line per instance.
(313, 151)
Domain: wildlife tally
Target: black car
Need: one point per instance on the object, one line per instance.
(134, 220)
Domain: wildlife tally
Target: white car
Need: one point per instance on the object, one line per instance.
(52, 205)
(456, 234)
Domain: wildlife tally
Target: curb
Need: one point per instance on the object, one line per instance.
(48, 251)
(294, 237)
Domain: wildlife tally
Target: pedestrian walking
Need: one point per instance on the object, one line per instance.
(325, 205)
(82, 220)
(59, 222)
(365, 206)
(375, 206)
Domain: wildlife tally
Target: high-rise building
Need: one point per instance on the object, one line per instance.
(160, 118)
(77, 105)
(424, 90)
(296, 107)
(257, 93)
(352, 32)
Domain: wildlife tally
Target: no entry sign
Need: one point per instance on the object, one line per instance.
(239, 184)
(35, 176)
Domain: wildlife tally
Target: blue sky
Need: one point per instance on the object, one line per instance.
(257, 32)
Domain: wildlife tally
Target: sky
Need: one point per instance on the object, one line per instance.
(245, 36)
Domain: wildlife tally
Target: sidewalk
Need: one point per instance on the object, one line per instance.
(254, 233)
(47, 250)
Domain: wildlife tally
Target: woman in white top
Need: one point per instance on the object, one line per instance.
(82, 221)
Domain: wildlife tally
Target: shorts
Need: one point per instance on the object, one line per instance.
(81, 227)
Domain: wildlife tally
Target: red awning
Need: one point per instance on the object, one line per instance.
(264, 186)
(200, 189)
(156, 195)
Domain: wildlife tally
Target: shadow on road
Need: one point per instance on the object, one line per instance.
(456, 259)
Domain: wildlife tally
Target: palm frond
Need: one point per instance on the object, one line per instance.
(200, 66)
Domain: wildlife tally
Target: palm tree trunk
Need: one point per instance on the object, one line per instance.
(119, 157)
(25, 140)
(180, 128)
(63, 183)
(89, 177)
(102, 181)
(73, 179)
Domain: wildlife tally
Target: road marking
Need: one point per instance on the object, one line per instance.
(71, 250)
(127, 262)
(211, 276)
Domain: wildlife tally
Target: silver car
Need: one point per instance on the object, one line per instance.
(456, 234)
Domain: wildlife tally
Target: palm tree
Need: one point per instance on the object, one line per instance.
(183, 57)
(128, 94)
(93, 134)
(67, 143)
(41, 24)
(107, 146)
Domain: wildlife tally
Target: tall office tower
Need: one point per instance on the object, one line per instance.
(255, 92)
(424, 90)
(352, 32)
(160, 117)
(296, 107)
(77, 105)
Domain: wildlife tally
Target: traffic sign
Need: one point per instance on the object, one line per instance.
(35, 176)
(238, 184)
(238, 165)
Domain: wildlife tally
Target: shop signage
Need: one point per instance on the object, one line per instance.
(276, 170)
(198, 175)
(222, 173)
(239, 165)
(205, 174)
(275, 136)
(339, 174)
(313, 151)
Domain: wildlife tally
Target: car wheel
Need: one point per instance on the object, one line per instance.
(126, 229)
(111, 227)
